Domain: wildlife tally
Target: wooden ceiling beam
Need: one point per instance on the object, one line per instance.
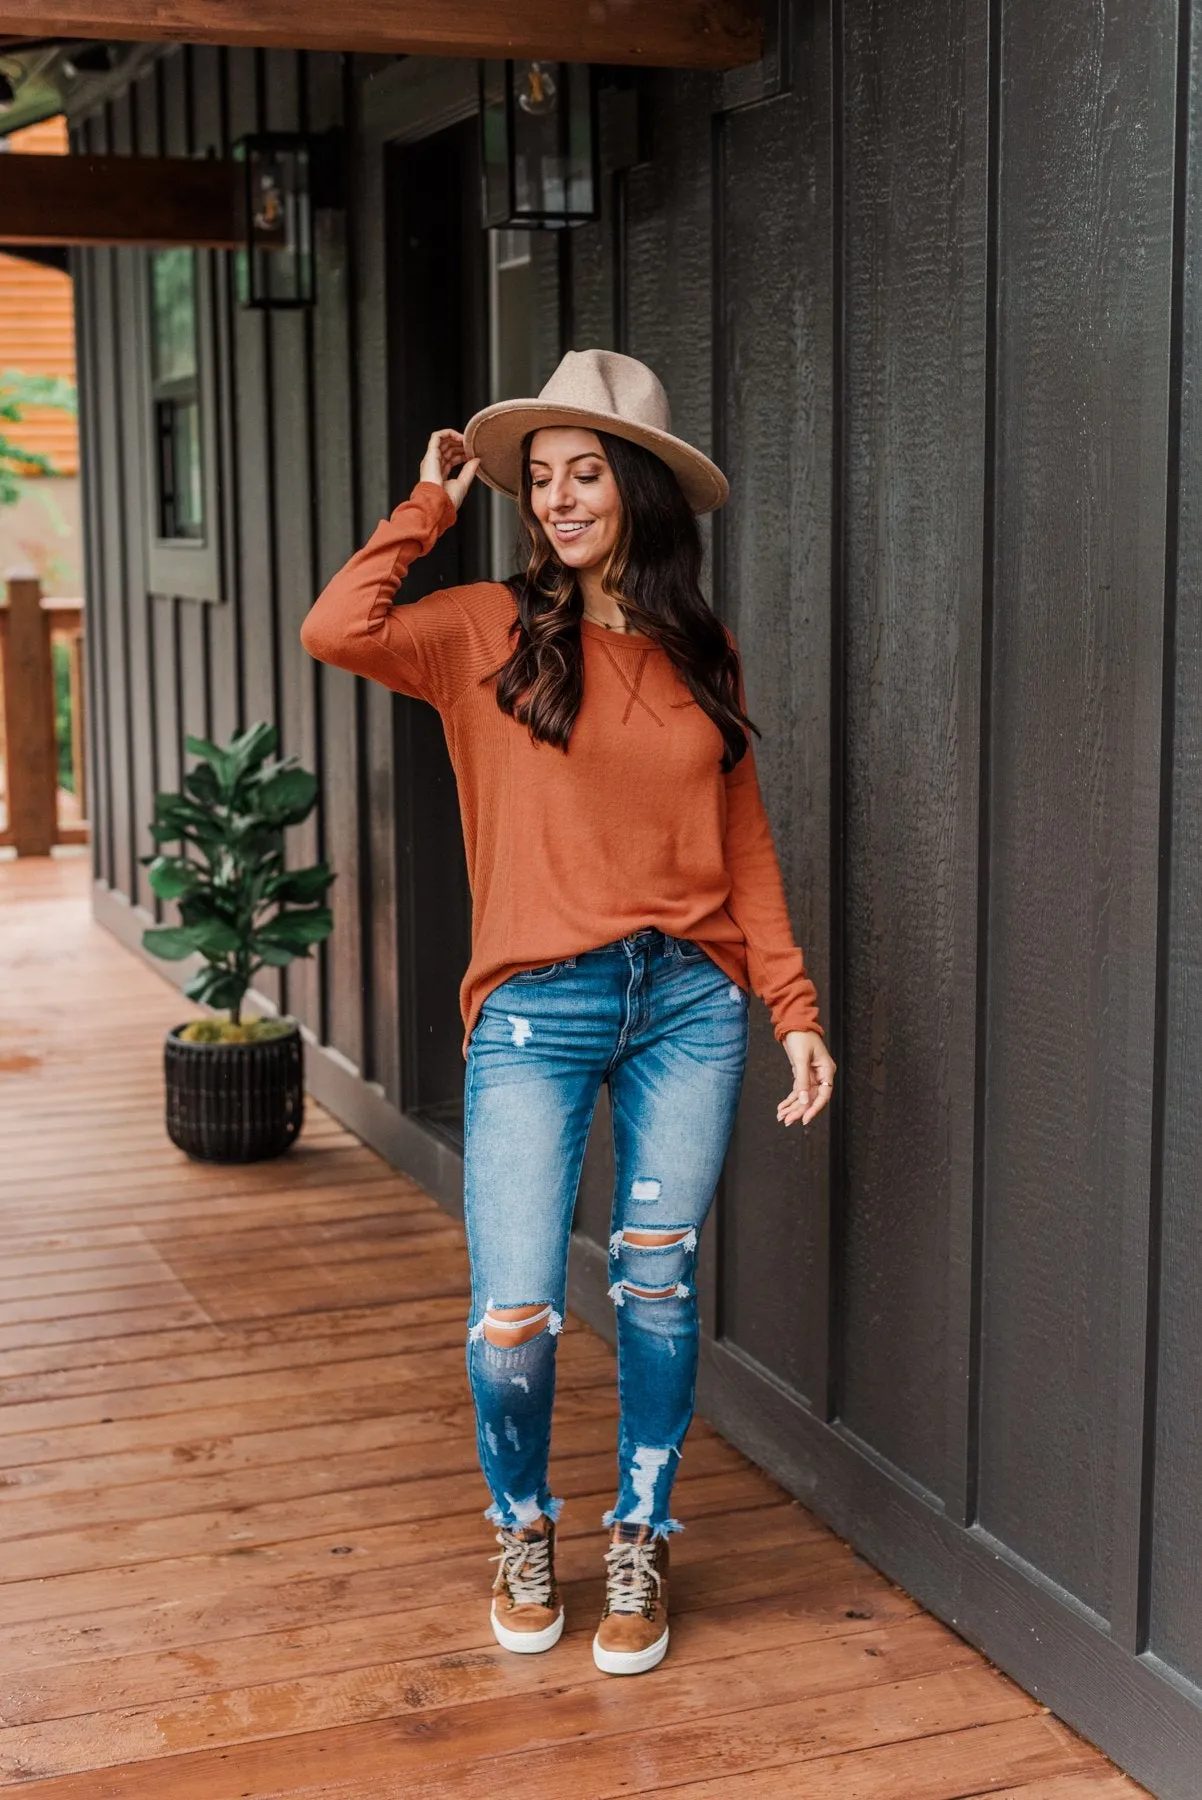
(684, 34)
(153, 200)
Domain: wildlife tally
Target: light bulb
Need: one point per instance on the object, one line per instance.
(539, 91)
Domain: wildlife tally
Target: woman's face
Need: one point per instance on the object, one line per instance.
(574, 495)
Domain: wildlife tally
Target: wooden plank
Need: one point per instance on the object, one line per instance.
(465, 1698)
(962, 1765)
(249, 1556)
(369, 1586)
(411, 1542)
(92, 200)
(808, 1605)
(715, 1723)
(671, 33)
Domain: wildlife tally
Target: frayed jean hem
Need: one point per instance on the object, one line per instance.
(496, 1514)
(664, 1529)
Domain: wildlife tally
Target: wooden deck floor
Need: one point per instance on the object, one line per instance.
(242, 1551)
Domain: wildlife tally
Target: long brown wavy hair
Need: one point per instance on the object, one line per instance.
(655, 576)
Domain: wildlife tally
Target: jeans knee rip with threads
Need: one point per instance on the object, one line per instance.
(666, 1030)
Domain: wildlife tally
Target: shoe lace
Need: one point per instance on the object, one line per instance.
(525, 1568)
(630, 1578)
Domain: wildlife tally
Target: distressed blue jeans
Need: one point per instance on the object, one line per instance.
(653, 1017)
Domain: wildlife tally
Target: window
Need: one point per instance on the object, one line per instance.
(513, 360)
(175, 376)
(178, 368)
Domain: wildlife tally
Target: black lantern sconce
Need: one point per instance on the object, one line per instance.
(275, 266)
(539, 144)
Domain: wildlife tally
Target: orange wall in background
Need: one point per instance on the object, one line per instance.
(37, 321)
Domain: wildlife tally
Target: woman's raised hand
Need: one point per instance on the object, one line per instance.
(445, 452)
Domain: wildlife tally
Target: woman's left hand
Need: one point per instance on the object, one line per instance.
(813, 1077)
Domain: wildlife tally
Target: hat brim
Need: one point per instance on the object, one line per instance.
(495, 435)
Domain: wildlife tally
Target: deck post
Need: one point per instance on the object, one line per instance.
(29, 746)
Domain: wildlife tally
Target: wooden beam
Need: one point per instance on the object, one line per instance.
(684, 34)
(119, 200)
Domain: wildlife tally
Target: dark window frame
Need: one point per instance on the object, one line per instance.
(186, 566)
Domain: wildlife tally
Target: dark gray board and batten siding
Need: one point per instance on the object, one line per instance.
(932, 301)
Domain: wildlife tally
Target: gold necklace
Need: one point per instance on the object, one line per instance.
(605, 622)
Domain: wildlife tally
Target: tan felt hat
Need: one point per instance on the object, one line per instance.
(601, 390)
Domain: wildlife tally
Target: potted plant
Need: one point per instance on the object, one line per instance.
(235, 1087)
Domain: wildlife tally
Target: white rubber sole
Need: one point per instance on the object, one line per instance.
(526, 1643)
(630, 1662)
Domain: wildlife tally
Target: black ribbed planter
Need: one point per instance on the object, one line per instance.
(234, 1102)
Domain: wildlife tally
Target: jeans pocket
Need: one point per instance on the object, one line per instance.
(545, 971)
(688, 951)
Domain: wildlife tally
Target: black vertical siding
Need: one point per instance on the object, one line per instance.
(914, 372)
(293, 497)
(333, 496)
(1086, 160)
(930, 299)
(381, 1052)
(222, 624)
(1173, 1452)
(115, 553)
(772, 586)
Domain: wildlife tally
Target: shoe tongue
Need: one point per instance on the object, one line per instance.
(624, 1532)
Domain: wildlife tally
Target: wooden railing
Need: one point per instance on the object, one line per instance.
(37, 812)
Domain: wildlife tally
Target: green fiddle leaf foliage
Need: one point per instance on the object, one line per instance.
(204, 784)
(214, 986)
(295, 930)
(301, 885)
(253, 748)
(215, 937)
(273, 956)
(206, 903)
(171, 942)
(240, 907)
(287, 795)
(218, 762)
(171, 876)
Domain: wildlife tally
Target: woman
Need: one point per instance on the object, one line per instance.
(626, 893)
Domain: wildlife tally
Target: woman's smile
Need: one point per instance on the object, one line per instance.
(568, 468)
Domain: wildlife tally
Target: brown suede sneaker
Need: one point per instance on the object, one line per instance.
(527, 1614)
(633, 1633)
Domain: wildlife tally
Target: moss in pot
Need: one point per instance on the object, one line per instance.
(235, 1086)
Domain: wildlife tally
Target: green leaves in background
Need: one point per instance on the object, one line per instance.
(240, 908)
(18, 392)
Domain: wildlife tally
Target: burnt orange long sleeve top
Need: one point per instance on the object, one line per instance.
(634, 825)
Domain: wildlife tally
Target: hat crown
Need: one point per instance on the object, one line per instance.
(604, 381)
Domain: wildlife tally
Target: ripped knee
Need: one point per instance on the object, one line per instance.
(651, 1246)
(508, 1326)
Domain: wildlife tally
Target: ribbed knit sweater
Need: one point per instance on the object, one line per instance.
(634, 825)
